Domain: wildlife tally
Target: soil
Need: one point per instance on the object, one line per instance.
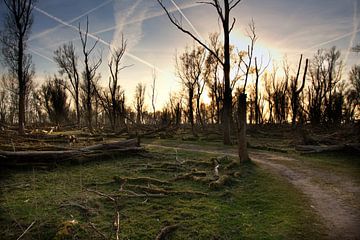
(334, 197)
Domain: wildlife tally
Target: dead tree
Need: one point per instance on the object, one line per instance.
(214, 84)
(67, 61)
(153, 95)
(295, 93)
(116, 99)
(242, 146)
(259, 70)
(189, 69)
(139, 102)
(223, 10)
(18, 22)
(325, 73)
(89, 72)
(251, 33)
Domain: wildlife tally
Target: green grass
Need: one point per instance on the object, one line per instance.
(342, 163)
(254, 205)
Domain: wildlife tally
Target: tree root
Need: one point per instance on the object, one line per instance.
(145, 180)
(223, 180)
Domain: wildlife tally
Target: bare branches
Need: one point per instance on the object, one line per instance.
(178, 25)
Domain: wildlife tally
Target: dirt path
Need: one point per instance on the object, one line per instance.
(335, 198)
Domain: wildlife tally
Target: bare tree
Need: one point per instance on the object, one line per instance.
(189, 69)
(117, 96)
(139, 102)
(251, 33)
(213, 81)
(295, 91)
(89, 72)
(223, 10)
(67, 61)
(325, 73)
(18, 22)
(153, 94)
(259, 70)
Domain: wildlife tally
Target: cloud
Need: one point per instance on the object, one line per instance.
(132, 33)
(354, 32)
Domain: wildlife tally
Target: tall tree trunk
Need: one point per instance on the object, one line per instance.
(191, 111)
(22, 87)
(242, 143)
(227, 90)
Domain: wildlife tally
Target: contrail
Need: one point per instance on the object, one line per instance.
(71, 21)
(150, 16)
(41, 55)
(187, 20)
(352, 39)
(333, 40)
(95, 37)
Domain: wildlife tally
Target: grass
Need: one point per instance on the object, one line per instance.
(254, 205)
(342, 163)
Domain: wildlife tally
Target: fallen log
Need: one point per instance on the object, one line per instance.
(39, 158)
(308, 149)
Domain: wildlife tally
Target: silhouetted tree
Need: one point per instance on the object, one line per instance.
(189, 69)
(139, 102)
(67, 61)
(17, 26)
(213, 81)
(89, 73)
(55, 99)
(325, 72)
(352, 106)
(251, 33)
(295, 91)
(223, 10)
(153, 95)
(259, 70)
(116, 100)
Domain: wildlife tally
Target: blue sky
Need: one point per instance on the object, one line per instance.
(288, 27)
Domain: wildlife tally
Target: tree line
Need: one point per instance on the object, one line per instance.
(315, 91)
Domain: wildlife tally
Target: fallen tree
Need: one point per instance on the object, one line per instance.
(46, 158)
(307, 149)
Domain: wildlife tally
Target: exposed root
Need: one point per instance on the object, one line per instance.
(145, 180)
(97, 231)
(223, 180)
(194, 175)
(102, 194)
(153, 190)
(77, 205)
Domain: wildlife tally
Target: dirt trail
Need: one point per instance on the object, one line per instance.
(335, 198)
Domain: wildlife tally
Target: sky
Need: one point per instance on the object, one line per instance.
(284, 27)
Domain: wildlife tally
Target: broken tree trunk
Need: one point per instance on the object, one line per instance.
(242, 143)
(33, 158)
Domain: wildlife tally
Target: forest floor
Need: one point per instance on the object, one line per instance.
(183, 187)
(330, 181)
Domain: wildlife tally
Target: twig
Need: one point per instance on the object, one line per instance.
(165, 231)
(26, 230)
(101, 194)
(97, 231)
(117, 225)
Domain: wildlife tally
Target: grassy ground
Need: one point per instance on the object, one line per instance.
(252, 204)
